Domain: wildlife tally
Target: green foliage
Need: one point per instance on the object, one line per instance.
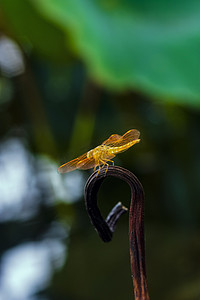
(151, 46)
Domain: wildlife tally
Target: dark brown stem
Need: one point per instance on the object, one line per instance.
(105, 228)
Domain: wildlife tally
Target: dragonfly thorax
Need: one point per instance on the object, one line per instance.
(99, 152)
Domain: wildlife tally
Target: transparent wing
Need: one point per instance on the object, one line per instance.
(113, 138)
(116, 140)
(90, 163)
(73, 164)
(87, 163)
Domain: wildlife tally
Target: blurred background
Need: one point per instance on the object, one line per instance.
(73, 72)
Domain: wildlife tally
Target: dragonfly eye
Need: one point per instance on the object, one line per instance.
(90, 154)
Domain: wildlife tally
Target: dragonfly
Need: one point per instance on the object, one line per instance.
(102, 154)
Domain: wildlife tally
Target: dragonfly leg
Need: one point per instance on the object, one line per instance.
(111, 161)
(98, 165)
(105, 164)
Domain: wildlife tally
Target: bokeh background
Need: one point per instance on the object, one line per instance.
(73, 72)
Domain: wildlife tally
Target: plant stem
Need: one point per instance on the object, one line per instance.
(105, 228)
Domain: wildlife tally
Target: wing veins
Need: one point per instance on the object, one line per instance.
(129, 136)
(72, 164)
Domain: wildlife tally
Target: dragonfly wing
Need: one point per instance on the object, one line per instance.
(113, 138)
(87, 163)
(73, 164)
(129, 136)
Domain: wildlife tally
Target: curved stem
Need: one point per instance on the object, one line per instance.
(105, 228)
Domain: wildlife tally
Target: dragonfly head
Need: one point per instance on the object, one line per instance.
(90, 154)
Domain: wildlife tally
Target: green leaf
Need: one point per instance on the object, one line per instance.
(28, 27)
(151, 46)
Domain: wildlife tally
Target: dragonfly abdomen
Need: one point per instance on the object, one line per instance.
(115, 150)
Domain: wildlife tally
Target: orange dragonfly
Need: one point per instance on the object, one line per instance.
(99, 156)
